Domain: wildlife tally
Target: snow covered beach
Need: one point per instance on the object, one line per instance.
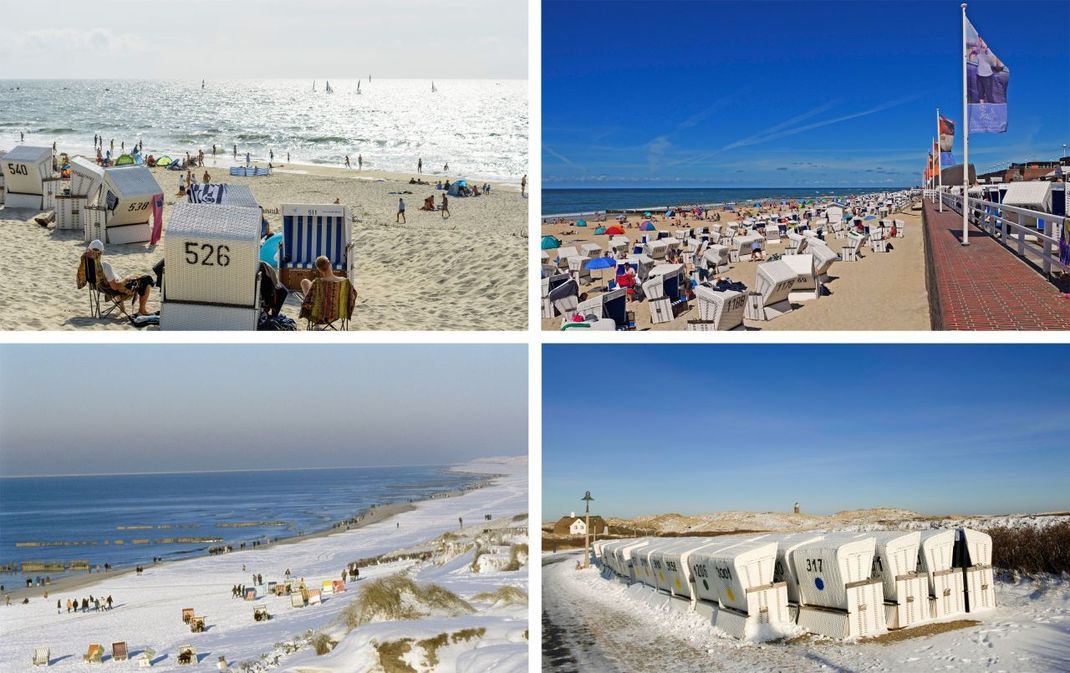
(148, 607)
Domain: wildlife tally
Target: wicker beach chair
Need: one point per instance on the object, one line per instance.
(197, 625)
(187, 614)
(329, 305)
(187, 655)
(261, 615)
(119, 651)
(42, 656)
(144, 660)
(310, 231)
(95, 654)
(565, 299)
(772, 288)
(717, 310)
(297, 600)
(314, 597)
(852, 251)
(664, 291)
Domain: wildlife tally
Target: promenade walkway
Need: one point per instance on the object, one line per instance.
(984, 286)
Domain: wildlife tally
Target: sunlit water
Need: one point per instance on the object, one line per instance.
(479, 127)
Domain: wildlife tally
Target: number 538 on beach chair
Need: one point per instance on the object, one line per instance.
(310, 231)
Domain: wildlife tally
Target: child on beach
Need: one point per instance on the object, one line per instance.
(401, 211)
(445, 207)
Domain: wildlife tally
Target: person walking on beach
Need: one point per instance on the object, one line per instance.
(445, 206)
(22, 136)
(446, 167)
(401, 211)
(235, 150)
(347, 162)
(109, 601)
(287, 157)
(360, 162)
(248, 159)
(68, 606)
(420, 165)
(59, 606)
(213, 149)
(271, 155)
(524, 185)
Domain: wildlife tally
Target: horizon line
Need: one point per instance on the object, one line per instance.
(224, 471)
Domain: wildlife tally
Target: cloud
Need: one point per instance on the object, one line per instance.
(656, 150)
(557, 155)
(76, 39)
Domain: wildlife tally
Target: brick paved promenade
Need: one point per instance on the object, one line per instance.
(983, 286)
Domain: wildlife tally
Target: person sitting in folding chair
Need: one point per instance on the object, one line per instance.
(328, 298)
(113, 286)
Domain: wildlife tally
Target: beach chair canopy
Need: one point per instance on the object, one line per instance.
(550, 242)
(313, 230)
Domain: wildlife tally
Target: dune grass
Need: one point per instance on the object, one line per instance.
(397, 597)
(507, 595)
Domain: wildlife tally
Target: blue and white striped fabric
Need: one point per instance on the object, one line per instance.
(207, 193)
(249, 171)
(307, 237)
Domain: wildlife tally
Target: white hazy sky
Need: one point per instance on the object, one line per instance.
(214, 39)
(109, 409)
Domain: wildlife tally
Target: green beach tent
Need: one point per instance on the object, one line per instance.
(581, 223)
(599, 231)
(125, 160)
(164, 161)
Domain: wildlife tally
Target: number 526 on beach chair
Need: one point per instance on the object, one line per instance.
(311, 230)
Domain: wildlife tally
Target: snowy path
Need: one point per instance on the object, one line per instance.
(596, 626)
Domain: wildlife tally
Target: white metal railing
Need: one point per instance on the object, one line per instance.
(1010, 225)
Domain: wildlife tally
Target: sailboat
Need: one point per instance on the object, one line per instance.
(433, 89)
(329, 89)
(358, 86)
(313, 85)
(202, 83)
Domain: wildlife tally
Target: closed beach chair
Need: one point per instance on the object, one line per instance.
(197, 625)
(119, 651)
(187, 655)
(877, 240)
(42, 656)
(743, 246)
(563, 254)
(339, 586)
(577, 266)
(717, 310)
(297, 600)
(772, 287)
(797, 243)
(261, 614)
(95, 655)
(717, 258)
(590, 250)
(187, 614)
(329, 304)
(657, 249)
(310, 231)
(314, 597)
(250, 593)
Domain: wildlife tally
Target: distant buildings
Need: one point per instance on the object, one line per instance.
(1030, 170)
(576, 525)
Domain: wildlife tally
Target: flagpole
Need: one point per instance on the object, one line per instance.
(938, 148)
(965, 140)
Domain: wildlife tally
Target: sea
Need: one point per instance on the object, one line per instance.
(478, 127)
(571, 201)
(98, 518)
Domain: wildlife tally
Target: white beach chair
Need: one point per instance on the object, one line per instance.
(591, 250)
(565, 299)
(664, 292)
(144, 659)
(796, 243)
(657, 249)
(26, 169)
(564, 253)
(877, 240)
(772, 286)
(852, 251)
(718, 311)
(742, 246)
(42, 656)
(618, 244)
(187, 655)
(772, 233)
(549, 283)
(807, 286)
(900, 226)
(577, 266)
(297, 600)
(717, 258)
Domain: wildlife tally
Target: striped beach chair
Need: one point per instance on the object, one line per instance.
(310, 231)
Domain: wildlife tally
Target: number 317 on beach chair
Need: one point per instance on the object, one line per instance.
(310, 231)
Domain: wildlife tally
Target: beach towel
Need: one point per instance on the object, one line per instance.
(209, 193)
(327, 301)
(157, 219)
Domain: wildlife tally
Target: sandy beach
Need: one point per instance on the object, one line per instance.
(882, 291)
(461, 273)
(148, 606)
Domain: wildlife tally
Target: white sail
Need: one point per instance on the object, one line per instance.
(329, 89)
(433, 89)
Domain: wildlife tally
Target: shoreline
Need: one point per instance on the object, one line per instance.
(373, 514)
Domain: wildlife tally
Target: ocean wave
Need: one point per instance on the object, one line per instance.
(55, 130)
(255, 136)
(317, 140)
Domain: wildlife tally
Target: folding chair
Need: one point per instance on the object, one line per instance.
(329, 305)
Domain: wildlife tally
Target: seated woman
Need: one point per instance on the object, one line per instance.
(627, 280)
(129, 286)
(429, 203)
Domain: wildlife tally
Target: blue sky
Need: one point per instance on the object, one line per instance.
(129, 408)
(779, 94)
(937, 429)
